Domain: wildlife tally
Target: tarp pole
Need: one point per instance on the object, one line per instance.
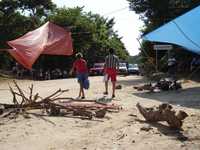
(156, 60)
(144, 51)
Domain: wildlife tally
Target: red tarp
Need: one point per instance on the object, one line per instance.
(48, 39)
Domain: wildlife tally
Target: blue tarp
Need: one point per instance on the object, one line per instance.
(183, 31)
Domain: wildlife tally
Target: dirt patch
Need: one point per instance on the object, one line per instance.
(115, 131)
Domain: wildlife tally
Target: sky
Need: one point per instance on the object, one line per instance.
(127, 23)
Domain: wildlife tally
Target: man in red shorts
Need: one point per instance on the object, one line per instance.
(111, 68)
(80, 65)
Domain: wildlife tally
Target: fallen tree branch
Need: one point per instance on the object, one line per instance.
(53, 104)
(163, 112)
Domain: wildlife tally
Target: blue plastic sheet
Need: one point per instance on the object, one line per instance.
(183, 31)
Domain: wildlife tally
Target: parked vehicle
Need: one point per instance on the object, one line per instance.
(97, 69)
(133, 69)
(123, 69)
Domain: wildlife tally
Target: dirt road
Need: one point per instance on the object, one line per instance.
(117, 131)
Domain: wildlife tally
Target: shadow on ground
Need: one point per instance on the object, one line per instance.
(189, 97)
(176, 134)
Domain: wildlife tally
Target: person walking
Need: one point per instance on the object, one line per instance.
(111, 67)
(80, 66)
(172, 67)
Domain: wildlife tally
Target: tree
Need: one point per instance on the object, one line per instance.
(92, 34)
(18, 17)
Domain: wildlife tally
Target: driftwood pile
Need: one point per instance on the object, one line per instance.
(166, 85)
(162, 85)
(163, 112)
(53, 104)
(145, 87)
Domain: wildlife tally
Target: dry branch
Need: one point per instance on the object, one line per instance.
(53, 105)
(31, 93)
(163, 113)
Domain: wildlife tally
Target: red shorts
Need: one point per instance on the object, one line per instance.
(112, 73)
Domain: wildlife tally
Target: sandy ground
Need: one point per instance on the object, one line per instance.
(117, 131)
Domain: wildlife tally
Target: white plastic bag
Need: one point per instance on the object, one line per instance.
(105, 78)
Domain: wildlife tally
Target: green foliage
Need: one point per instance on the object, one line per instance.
(92, 34)
(134, 59)
(14, 22)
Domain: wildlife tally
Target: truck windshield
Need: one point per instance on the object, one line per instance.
(100, 65)
(122, 64)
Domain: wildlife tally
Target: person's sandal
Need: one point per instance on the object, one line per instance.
(105, 93)
(83, 97)
(113, 96)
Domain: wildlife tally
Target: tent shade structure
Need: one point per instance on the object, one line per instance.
(48, 39)
(183, 31)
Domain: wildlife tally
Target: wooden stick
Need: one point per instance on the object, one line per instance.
(48, 97)
(31, 92)
(35, 97)
(60, 93)
(14, 97)
(22, 94)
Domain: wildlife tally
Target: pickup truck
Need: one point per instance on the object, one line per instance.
(97, 69)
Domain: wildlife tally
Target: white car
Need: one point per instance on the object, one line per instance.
(122, 68)
(133, 69)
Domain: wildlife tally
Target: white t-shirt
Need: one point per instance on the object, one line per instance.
(171, 61)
